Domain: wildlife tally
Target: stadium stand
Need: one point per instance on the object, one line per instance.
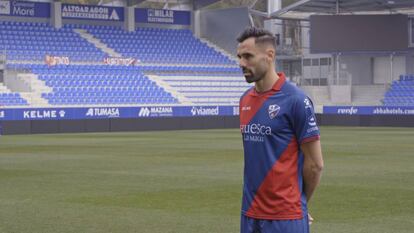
(12, 99)
(96, 85)
(174, 66)
(17, 39)
(155, 45)
(201, 85)
(401, 92)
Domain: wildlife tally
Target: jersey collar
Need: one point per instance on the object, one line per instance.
(276, 87)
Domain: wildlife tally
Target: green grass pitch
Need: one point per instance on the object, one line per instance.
(190, 181)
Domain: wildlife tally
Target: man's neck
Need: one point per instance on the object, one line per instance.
(267, 82)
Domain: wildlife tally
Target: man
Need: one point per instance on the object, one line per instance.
(282, 152)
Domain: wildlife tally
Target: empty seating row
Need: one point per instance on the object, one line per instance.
(97, 83)
(76, 84)
(401, 92)
(12, 99)
(406, 77)
(126, 43)
(111, 101)
(115, 88)
(45, 39)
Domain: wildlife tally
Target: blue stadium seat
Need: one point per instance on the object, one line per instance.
(401, 92)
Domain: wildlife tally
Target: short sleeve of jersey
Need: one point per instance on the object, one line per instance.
(304, 120)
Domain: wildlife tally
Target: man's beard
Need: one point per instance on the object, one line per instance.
(251, 77)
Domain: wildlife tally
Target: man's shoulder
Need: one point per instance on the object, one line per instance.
(296, 96)
(293, 91)
(246, 92)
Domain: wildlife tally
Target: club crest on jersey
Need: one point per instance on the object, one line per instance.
(273, 110)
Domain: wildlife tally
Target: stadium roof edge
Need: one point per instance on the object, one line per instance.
(302, 9)
(198, 4)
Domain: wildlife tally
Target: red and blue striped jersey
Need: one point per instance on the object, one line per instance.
(273, 125)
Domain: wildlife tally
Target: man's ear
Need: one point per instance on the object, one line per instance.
(270, 54)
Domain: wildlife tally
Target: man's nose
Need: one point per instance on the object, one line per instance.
(242, 63)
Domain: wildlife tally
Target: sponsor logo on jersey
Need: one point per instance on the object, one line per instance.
(314, 128)
(308, 103)
(311, 121)
(246, 108)
(273, 110)
(256, 129)
(255, 132)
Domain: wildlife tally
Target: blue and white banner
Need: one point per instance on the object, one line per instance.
(368, 110)
(116, 112)
(72, 11)
(25, 9)
(162, 16)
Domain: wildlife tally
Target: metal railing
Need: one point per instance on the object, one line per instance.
(341, 78)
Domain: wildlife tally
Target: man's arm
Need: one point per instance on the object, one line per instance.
(312, 167)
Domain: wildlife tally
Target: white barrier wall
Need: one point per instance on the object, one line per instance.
(382, 69)
(340, 94)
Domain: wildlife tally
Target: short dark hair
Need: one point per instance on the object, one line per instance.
(261, 36)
